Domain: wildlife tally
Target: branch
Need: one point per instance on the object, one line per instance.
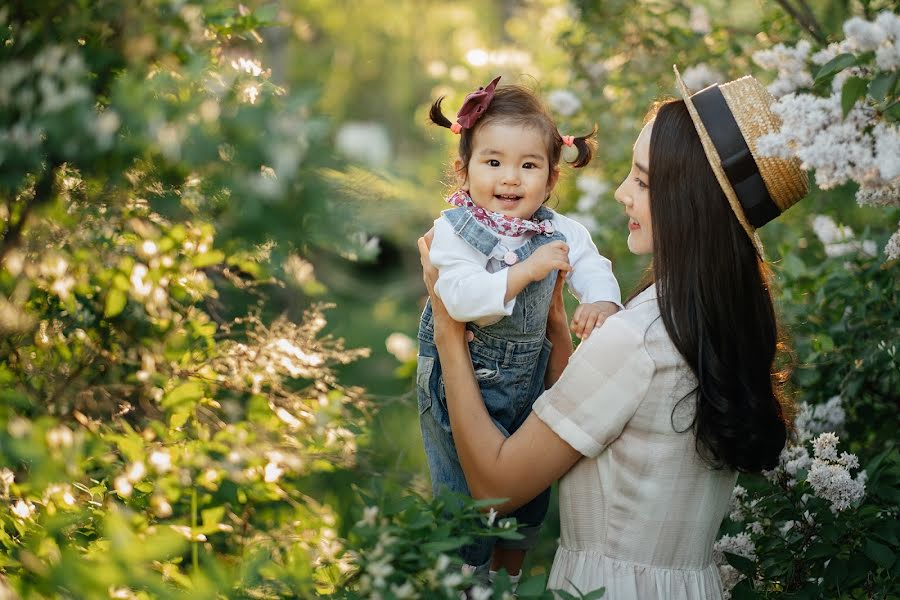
(43, 191)
(807, 20)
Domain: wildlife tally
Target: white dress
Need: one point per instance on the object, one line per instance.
(640, 512)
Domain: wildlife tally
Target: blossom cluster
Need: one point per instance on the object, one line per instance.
(839, 239)
(829, 475)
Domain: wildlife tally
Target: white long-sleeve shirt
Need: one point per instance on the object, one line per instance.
(473, 286)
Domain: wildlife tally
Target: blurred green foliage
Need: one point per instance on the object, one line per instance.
(183, 183)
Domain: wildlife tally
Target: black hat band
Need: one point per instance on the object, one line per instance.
(737, 160)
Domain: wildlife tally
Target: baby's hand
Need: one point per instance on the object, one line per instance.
(589, 316)
(546, 259)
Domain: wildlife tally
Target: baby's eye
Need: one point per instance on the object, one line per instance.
(529, 165)
(494, 162)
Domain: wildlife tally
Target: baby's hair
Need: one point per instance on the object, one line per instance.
(518, 105)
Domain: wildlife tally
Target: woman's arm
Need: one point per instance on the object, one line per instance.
(516, 468)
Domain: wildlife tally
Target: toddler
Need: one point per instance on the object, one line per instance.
(498, 252)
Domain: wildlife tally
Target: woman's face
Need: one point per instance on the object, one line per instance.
(634, 195)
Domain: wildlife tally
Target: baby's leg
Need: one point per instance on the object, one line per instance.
(509, 559)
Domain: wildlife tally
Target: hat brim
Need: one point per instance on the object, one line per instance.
(715, 162)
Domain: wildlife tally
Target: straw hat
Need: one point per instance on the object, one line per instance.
(730, 118)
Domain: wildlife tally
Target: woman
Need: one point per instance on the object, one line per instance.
(659, 409)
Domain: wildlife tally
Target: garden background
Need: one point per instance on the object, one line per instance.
(209, 288)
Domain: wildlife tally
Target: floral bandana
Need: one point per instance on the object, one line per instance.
(498, 222)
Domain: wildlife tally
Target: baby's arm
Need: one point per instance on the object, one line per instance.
(547, 258)
(591, 281)
(465, 286)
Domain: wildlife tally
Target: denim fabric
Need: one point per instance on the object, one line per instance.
(510, 359)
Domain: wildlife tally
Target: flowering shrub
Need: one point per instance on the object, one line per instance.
(842, 121)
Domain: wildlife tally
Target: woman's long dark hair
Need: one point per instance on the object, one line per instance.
(715, 302)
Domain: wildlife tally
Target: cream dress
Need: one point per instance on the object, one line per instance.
(640, 512)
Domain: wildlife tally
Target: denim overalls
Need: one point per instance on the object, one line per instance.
(510, 358)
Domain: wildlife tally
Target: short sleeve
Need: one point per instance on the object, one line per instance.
(600, 389)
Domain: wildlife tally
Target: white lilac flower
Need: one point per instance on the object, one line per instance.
(790, 65)
(480, 593)
(739, 544)
(123, 486)
(700, 76)
(736, 505)
(699, 20)
(863, 35)
(370, 515)
(887, 55)
(160, 460)
(367, 142)
(403, 592)
(830, 232)
(833, 482)
(815, 419)
(825, 446)
(730, 577)
(23, 509)
(887, 150)
(492, 515)
(892, 248)
(815, 131)
(589, 221)
(401, 346)
(563, 102)
(879, 195)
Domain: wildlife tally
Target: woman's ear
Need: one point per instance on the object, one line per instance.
(462, 175)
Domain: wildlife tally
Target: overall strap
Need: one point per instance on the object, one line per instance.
(470, 230)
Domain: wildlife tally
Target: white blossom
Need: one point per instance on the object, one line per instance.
(367, 142)
(23, 509)
(700, 76)
(892, 249)
(815, 419)
(699, 20)
(790, 65)
(830, 475)
(405, 591)
(563, 102)
(401, 346)
(492, 516)
(879, 195)
(739, 544)
(160, 460)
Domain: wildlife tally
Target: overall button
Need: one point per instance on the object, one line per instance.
(510, 258)
(469, 336)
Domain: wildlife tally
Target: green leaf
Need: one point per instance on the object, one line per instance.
(892, 112)
(532, 587)
(115, 302)
(835, 65)
(743, 591)
(882, 85)
(742, 564)
(190, 391)
(854, 89)
(596, 594)
(208, 259)
(880, 554)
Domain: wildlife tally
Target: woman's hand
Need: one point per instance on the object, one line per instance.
(558, 334)
(445, 328)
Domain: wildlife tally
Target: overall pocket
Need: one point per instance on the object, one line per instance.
(424, 369)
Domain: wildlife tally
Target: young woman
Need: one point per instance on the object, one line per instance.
(655, 414)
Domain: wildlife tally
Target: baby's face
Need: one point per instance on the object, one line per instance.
(509, 171)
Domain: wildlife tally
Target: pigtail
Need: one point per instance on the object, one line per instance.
(437, 116)
(585, 145)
